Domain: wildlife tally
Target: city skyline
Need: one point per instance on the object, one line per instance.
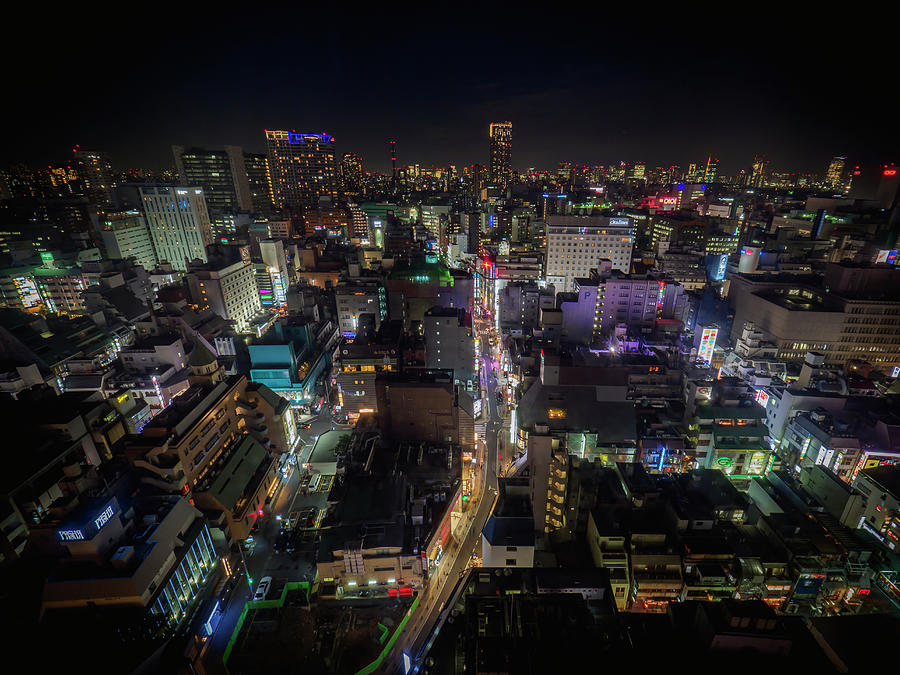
(574, 96)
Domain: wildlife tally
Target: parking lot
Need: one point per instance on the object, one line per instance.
(329, 638)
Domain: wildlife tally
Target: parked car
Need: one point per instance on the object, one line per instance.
(280, 541)
(263, 589)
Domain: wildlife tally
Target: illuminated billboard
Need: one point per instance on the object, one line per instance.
(707, 345)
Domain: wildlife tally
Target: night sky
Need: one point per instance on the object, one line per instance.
(579, 87)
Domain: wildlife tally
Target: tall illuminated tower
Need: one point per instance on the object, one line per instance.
(303, 168)
(712, 169)
(95, 172)
(835, 171)
(501, 152)
(759, 171)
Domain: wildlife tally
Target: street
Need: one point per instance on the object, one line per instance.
(434, 597)
(262, 561)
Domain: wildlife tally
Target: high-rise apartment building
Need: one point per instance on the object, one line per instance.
(220, 173)
(501, 152)
(835, 172)
(125, 235)
(95, 172)
(577, 244)
(179, 223)
(303, 168)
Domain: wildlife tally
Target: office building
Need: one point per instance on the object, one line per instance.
(351, 174)
(229, 289)
(190, 447)
(733, 440)
(358, 298)
(220, 173)
(880, 486)
(712, 170)
(520, 305)
(125, 235)
(501, 152)
(156, 554)
(834, 176)
(359, 223)
(56, 286)
(758, 172)
(598, 304)
(357, 365)
(303, 168)
(259, 180)
(276, 266)
(449, 342)
(418, 406)
(179, 223)
(571, 409)
(578, 244)
(507, 539)
(855, 319)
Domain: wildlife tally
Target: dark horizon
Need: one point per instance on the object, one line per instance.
(578, 92)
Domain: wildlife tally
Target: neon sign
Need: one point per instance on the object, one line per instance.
(70, 535)
(707, 344)
(104, 517)
(305, 139)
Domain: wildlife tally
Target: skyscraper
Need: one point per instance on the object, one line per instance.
(501, 152)
(712, 169)
(351, 173)
(303, 168)
(259, 178)
(835, 172)
(95, 172)
(179, 223)
(758, 172)
(220, 173)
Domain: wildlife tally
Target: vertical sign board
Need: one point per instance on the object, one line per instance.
(707, 345)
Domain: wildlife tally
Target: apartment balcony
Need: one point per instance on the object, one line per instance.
(246, 407)
(171, 486)
(171, 474)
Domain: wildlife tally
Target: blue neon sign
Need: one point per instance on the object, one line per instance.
(306, 139)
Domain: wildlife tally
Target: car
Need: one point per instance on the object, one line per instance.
(263, 589)
(306, 425)
(280, 541)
